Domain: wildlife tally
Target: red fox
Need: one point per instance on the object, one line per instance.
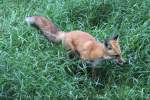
(81, 42)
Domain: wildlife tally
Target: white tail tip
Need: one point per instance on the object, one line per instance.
(29, 20)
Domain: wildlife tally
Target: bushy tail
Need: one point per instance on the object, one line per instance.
(46, 27)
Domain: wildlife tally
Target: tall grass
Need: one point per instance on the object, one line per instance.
(33, 68)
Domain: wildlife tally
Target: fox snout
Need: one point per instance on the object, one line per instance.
(120, 61)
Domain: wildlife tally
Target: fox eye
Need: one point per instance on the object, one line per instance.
(107, 45)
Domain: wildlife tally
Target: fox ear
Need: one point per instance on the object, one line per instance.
(115, 37)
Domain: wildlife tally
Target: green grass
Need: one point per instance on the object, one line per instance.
(33, 68)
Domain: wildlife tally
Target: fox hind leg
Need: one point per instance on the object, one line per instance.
(69, 45)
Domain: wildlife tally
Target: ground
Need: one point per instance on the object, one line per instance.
(31, 67)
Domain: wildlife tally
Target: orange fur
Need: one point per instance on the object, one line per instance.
(85, 44)
(82, 42)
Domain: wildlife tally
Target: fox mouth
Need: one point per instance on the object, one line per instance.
(119, 60)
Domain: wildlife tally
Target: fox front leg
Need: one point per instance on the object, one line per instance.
(93, 73)
(94, 69)
(94, 66)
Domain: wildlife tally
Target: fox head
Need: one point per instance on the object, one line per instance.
(113, 50)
